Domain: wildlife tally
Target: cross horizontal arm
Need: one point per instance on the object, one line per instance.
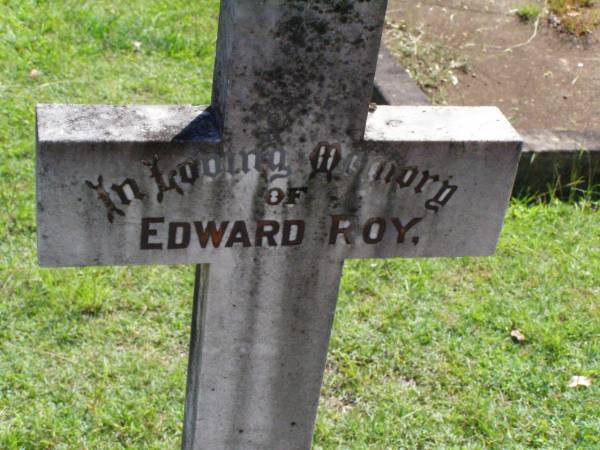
(137, 190)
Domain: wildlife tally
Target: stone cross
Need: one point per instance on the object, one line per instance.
(289, 172)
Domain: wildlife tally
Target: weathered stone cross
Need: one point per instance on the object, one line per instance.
(286, 175)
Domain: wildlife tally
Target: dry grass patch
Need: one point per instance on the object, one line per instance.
(578, 17)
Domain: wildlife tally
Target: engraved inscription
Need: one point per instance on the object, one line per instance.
(104, 197)
(157, 234)
(325, 159)
(157, 175)
(344, 229)
(127, 191)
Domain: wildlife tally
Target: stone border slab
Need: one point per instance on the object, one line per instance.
(558, 159)
(550, 158)
(393, 84)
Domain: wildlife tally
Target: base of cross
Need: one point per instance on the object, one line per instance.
(258, 351)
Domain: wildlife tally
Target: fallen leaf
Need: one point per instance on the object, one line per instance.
(580, 381)
(517, 336)
(408, 382)
(35, 73)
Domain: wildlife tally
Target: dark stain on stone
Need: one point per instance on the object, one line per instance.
(295, 89)
(202, 128)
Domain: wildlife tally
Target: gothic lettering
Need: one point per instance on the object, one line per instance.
(127, 191)
(104, 197)
(159, 179)
(442, 197)
(325, 158)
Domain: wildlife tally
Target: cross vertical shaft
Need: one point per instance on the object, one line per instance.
(288, 74)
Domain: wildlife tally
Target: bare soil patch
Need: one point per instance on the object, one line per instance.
(539, 77)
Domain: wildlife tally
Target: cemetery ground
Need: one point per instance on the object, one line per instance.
(421, 355)
(474, 52)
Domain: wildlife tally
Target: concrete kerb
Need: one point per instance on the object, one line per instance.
(551, 158)
(393, 84)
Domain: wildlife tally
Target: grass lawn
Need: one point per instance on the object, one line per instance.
(421, 355)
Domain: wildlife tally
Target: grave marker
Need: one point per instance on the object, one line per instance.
(269, 190)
